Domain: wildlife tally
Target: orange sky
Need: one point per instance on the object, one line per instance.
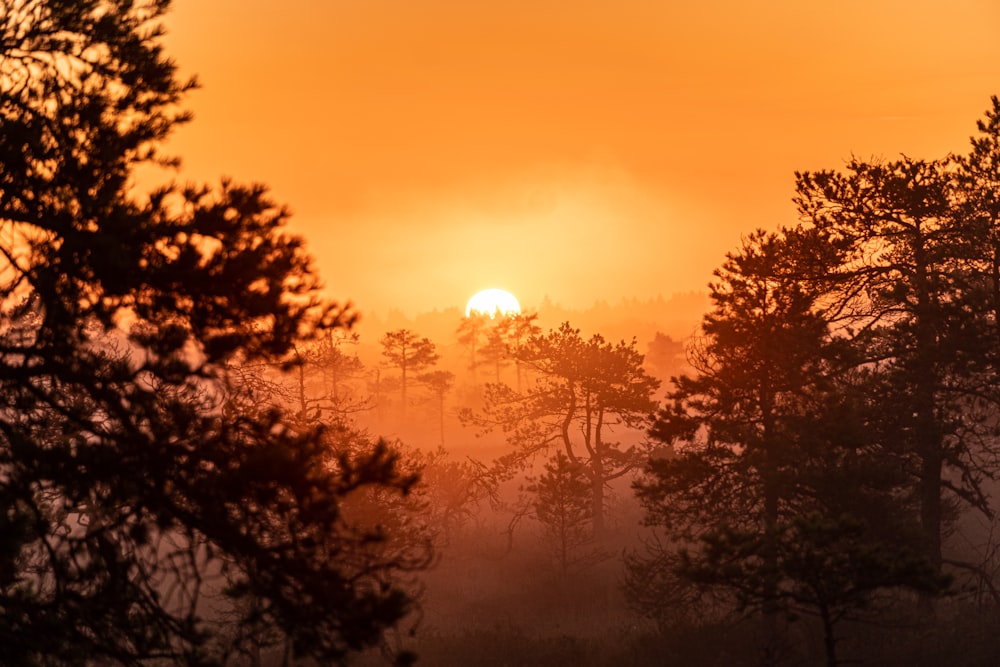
(579, 149)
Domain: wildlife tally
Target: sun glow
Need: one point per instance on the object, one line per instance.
(492, 301)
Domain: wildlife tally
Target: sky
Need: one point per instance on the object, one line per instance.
(574, 150)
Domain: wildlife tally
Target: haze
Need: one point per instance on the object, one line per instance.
(528, 451)
(582, 151)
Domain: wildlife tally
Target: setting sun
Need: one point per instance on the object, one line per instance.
(700, 427)
(491, 301)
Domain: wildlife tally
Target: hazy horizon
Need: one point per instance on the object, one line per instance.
(430, 150)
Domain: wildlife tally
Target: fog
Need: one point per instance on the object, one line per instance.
(506, 587)
(748, 413)
(518, 581)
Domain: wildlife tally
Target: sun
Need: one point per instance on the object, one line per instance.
(493, 301)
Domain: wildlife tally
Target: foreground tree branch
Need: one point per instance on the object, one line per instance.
(142, 516)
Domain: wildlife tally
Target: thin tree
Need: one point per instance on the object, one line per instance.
(440, 383)
(562, 506)
(340, 370)
(495, 351)
(470, 332)
(518, 329)
(404, 350)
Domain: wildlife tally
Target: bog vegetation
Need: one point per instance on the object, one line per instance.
(201, 463)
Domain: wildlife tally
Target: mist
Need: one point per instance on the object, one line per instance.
(747, 411)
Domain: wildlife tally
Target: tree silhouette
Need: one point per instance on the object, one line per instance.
(562, 504)
(518, 329)
(495, 351)
(909, 280)
(772, 450)
(452, 489)
(141, 512)
(340, 371)
(470, 332)
(978, 208)
(586, 390)
(440, 383)
(757, 357)
(831, 569)
(410, 354)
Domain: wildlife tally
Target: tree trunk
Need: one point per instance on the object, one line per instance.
(930, 514)
(771, 501)
(829, 638)
(402, 383)
(597, 498)
(928, 433)
(441, 417)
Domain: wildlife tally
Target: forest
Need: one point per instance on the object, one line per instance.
(205, 461)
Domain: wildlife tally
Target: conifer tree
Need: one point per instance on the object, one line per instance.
(145, 517)
(562, 505)
(591, 399)
(404, 350)
(771, 457)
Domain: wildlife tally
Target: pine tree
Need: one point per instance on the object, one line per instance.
(771, 460)
(404, 350)
(562, 505)
(588, 395)
(145, 517)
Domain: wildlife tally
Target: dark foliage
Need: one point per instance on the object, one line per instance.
(141, 519)
(585, 397)
(774, 493)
